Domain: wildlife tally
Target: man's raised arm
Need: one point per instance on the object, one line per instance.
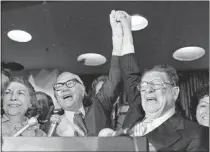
(110, 89)
(130, 72)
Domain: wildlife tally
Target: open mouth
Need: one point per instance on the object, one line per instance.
(13, 105)
(149, 99)
(205, 117)
(67, 96)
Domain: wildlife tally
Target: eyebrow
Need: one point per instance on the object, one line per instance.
(202, 101)
(18, 90)
(74, 79)
(22, 90)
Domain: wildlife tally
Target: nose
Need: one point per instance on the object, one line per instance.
(149, 89)
(65, 88)
(207, 110)
(13, 96)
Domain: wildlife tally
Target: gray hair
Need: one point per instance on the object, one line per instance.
(168, 70)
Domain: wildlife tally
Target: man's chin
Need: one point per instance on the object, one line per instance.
(72, 107)
(152, 109)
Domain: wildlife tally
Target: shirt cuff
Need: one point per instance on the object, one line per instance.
(127, 49)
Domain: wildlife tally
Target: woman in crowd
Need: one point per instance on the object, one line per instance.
(45, 104)
(18, 98)
(202, 111)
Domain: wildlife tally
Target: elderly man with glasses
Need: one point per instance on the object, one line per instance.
(158, 89)
(69, 91)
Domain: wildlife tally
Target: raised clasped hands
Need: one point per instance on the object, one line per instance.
(121, 32)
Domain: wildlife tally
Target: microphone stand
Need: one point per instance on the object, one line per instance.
(53, 125)
(31, 122)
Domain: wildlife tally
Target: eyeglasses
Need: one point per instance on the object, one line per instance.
(70, 83)
(154, 84)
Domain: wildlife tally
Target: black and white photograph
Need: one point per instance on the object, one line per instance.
(105, 76)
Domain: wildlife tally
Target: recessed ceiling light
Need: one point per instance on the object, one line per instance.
(189, 53)
(19, 36)
(92, 59)
(138, 22)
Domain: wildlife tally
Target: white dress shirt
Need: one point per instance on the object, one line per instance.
(67, 127)
(147, 125)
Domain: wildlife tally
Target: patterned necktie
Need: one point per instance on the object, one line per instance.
(79, 121)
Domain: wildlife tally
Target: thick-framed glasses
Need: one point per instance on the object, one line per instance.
(70, 83)
(154, 84)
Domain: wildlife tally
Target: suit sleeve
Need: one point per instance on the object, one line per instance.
(200, 142)
(131, 77)
(98, 114)
(197, 145)
(110, 89)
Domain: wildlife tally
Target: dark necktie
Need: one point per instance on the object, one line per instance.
(79, 121)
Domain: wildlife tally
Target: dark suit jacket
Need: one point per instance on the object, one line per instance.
(179, 134)
(98, 114)
(176, 134)
(131, 77)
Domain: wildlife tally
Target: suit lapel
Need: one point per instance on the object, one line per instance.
(134, 114)
(166, 134)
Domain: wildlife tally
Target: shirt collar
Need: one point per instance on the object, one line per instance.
(164, 117)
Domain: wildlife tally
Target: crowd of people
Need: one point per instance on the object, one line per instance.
(151, 97)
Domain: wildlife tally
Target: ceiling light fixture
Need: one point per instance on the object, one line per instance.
(92, 59)
(189, 53)
(138, 22)
(19, 36)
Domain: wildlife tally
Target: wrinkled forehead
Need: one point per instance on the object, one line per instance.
(16, 86)
(205, 99)
(63, 77)
(155, 75)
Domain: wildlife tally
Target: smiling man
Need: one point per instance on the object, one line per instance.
(164, 128)
(69, 91)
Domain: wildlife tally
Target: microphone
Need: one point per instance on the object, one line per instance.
(31, 122)
(53, 124)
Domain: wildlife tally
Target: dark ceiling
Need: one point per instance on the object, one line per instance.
(63, 30)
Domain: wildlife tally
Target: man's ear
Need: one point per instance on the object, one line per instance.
(175, 92)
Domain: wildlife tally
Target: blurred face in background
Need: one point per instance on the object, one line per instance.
(16, 99)
(202, 112)
(42, 101)
(99, 86)
(69, 92)
(45, 104)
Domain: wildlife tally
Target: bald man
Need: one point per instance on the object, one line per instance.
(69, 91)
